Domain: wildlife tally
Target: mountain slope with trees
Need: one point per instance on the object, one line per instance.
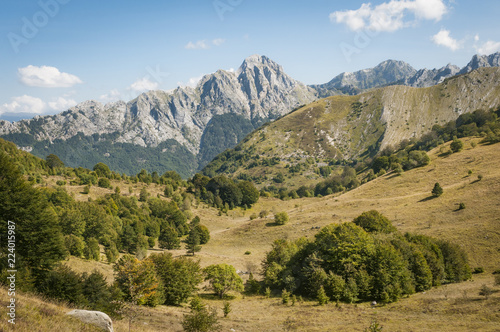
(349, 130)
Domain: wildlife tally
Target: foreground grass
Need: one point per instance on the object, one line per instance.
(454, 307)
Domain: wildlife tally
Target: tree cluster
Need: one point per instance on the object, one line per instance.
(366, 259)
(223, 192)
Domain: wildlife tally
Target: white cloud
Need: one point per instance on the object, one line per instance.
(488, 47)
(443, 38)
(113, 95)
(476, 38)
(143, 84)
(47, 77)
(62, 104)
(203, 44)
(199, 45)
(390, 16)
(24, 104)
(192, 82)
(218, 41)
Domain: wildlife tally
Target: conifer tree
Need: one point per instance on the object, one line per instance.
(193, 241)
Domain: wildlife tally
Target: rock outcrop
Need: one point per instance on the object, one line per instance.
(96, 318)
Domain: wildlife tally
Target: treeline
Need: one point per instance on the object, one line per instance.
(366, 259)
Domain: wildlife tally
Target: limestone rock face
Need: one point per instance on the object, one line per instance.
(96, 318)
(480, 61)
(428, 77)
(258, 89)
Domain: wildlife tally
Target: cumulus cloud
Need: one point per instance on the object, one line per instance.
(203, 44)
(62, 104)
(33, 105)
(390, 16)
(24, 104)
(143, 84)
(199, 45)
(192, 82)
(443, 38)
(218, 41)
(488, 47)
(47, 77)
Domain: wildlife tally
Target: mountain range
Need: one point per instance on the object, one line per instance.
(185, 128)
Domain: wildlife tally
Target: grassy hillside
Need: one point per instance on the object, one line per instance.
(404, 199)
(344, 129)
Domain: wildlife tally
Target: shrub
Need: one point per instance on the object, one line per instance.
(456, 146)
(252, 286)
(437, 190)
(253, 216)
(321, 297)
(202, 320)
(281, 218)
(226, 309)
(60, 182)
(86, 190)
(263, 213)
(285, 297)
(461, 206)
(104, 183)
(478, 270)
(485, 291)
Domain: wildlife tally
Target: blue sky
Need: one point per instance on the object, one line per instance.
(56, 53)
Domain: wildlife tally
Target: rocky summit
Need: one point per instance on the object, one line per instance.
(182, 129)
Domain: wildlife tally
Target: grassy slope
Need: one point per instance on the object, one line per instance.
(334, 128)
(404, 199)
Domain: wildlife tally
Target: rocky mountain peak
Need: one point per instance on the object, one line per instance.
(480, 61)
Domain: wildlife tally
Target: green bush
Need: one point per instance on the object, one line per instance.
(104, 183)
(281, 218)
(456, 146)
(437, 190)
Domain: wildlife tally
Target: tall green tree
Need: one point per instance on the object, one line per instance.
(26, 213)
(193, 241)
(223, 278)
(169, 238)
(138, 281)
(180, 276)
